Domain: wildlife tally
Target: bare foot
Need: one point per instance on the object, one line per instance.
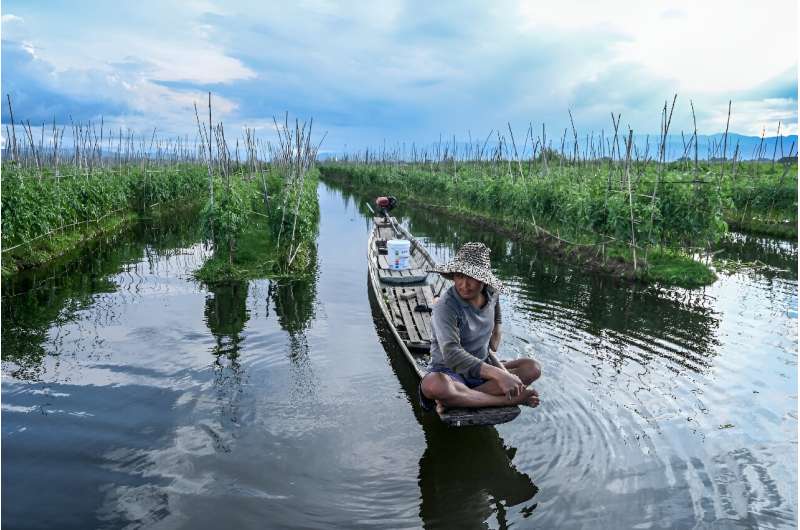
(529, 397)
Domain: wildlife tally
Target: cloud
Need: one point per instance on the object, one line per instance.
(783, 85)
(753, 116)
(201, 65)
(123, 96)
(406, 70)
(403, 74)
(753, 110)
(36, 95)
(420, 71)
(716, 45)
(11, 18)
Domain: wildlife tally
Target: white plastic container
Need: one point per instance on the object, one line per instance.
(399, 253)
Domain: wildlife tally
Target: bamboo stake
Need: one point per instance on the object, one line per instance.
(14, 148)
(725, 143)
(775, 149)
(516, 156)
(694, 120)
(630, 197)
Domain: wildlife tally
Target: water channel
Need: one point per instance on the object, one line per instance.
(133, 396)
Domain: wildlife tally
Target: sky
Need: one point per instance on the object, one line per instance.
(403, 71)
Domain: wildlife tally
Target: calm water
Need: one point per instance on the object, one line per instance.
(133, 396)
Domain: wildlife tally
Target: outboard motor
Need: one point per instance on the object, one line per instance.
(385, 205)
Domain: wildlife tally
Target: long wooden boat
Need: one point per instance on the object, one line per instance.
(406, 298)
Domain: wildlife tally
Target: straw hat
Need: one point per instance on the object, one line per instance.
(472, 260)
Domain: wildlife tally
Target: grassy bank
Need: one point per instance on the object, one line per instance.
(260, 211)
(764, 199)
(255, 238)
(589, 219)
(49, 213)
(262, 219)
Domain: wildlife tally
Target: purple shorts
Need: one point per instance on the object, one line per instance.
(428, 404)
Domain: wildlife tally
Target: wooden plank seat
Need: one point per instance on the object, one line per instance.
(410, 317)
(411, 276)
(388, 275)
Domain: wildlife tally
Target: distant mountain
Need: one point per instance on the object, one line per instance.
(708, 147)
(711, 146)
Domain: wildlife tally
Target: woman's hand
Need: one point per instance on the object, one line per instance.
(509, 384)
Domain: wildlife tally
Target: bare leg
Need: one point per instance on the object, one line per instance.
(527, 370)
(450, 393)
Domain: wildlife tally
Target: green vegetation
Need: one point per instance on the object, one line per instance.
(637, 220)
(674, 268)
(262, 219)
(604, 203)
(251, 244)
(764, 197)
(583, 216)
(49, 212)
(634, 220)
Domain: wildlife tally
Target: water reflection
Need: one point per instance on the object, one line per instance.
(467, 478)
(466, 475)
(165, 404)
(226, 315)
(69, 403)
(759, 256)
(295, 302)
(36, 304)
(644, 389)
(295, 306)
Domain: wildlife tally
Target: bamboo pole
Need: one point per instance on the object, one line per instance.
(725, 143)
(775, 148)
(694, 120)
(630, 198)
(516, 155)
(14, 147)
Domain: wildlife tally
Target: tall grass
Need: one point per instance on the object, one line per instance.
(277, 200)
(45, 214)
(55, 196)
(599, 194)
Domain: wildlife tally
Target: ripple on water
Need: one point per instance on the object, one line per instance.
(660, 391)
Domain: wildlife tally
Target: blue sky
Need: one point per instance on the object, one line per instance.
(403, 71)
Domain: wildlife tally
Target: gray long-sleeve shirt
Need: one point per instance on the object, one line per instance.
(461, 332)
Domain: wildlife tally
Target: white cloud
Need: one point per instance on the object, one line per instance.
(176, 45)
(710, 46)
(202, 65)
(11, 18)
(751, 117)
(135, 100)
(401, 69)
(30, 49)
(172, 105)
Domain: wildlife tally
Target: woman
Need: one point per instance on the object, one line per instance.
(466, 321)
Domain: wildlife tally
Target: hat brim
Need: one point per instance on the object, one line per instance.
(477, 273)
